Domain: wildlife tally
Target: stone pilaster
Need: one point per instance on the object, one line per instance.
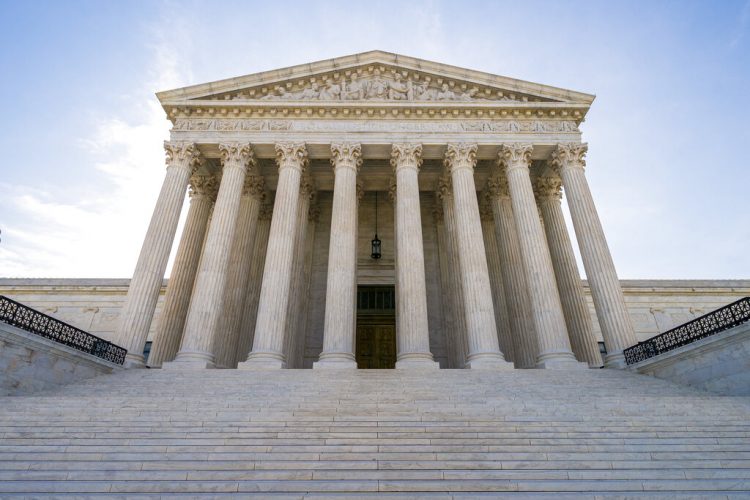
(182, 160)
(525, 346)
(458, 333)
(270, 329)
(609, 302)
(255, 279)
(177, 299)
(411, 293)
(341, 286)
(481, 333)
(201, 325)
(306, 194)
(502, 323)
(549, 320)
(548, 195)
(240, 260)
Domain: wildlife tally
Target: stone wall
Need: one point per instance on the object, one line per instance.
(30, 363)
(94, 304)
(719, 363)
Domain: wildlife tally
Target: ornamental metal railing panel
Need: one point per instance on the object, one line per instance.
(704, 326)
(33, 321)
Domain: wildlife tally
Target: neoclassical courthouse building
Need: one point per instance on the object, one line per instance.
(374, 211)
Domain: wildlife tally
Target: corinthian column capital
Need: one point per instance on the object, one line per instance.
(237, 154)
(291, 155)
(547, 188)
(204, 186)
(567, 156)
(515, 155)
(307, 186)
(254, 186)
(461, 155)
(346, 155)
(183, 154)
(497, 186)
(406, 156)
(444, 187)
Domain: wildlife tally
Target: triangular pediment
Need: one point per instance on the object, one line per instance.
(375, 77)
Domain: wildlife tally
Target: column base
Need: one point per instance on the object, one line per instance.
(416, 361)
(615, 360)
(134, 361)
(336, 360)
(488, 361)
(190, 360)
(560, 361)
(263, 361)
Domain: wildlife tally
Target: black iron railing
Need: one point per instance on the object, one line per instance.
(704, 326)
(31, 320)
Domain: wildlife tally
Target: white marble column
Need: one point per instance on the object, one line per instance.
(271, 327)
(177, 299)
(201, 325)
(182, 160)
(341, 285)
(458, 334)
(304, 307)
(549, 321)
(238, 274)
(481, 333)
(306, 194)
(525, 345)
(577, 317)
(609, 302)
(446, 294)
(502, 323)
(255, 279)
(411, 293)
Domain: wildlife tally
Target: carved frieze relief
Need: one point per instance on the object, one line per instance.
(418, 126)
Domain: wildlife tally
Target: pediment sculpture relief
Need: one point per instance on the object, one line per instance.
(376, 87)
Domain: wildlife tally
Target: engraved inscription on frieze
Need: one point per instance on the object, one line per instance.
(480, 126)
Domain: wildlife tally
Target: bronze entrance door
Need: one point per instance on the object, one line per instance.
(376, 327)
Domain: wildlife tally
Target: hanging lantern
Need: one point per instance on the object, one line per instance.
(375, 241)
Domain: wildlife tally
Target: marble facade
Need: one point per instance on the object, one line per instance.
(311, 146)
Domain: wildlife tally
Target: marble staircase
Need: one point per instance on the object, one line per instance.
(353, 434)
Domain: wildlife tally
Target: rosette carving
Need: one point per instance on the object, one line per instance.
(346, 155)
(460, 155)
(405, 155)
(569, 156)
(183, 154)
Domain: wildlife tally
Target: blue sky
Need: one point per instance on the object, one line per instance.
(81, 130)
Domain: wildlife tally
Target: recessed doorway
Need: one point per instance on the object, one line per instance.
(376, 327)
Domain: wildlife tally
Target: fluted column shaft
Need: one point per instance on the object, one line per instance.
(177, 299)
(238, 275)
(298, 269)
(301, 320)
(201, 325)
(411, 294)
(446, 299)
(270, 329)
(502, 323)
(569, 284)
(143, 292)
(458, 334)
(341, 286)
(525, 346)
(549, 320)
(481, 332)
(255, 279)
(616, 326)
